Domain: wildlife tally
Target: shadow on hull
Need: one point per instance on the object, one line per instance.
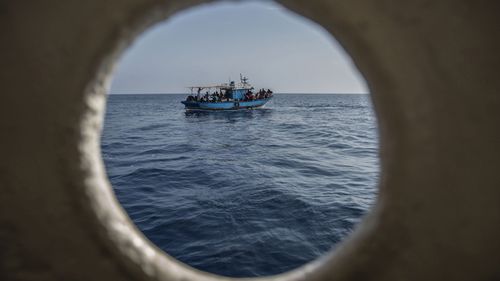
(227, 105)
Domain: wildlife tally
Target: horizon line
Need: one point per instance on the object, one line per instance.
(284, 93)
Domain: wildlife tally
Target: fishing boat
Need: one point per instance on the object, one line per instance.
(227, 96)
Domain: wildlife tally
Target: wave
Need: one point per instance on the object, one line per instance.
(244, 193)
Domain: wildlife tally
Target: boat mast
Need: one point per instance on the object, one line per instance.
(243, 79)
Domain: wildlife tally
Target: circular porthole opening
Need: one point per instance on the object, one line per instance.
(247, 191)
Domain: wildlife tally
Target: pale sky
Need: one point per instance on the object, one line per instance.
(209, 44)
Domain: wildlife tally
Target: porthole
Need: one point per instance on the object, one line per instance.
(241, 193)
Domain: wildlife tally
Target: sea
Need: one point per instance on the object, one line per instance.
(243, 193)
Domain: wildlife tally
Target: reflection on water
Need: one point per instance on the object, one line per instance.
(229, 115)
(243, 193)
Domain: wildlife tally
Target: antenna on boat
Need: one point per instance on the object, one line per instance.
(243, 79)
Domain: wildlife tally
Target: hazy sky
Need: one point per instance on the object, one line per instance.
(209, 44)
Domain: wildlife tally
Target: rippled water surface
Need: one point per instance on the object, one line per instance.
(243, 193)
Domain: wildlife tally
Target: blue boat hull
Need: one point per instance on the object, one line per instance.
(226, 105)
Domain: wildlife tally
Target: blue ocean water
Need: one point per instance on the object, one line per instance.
(243, 193)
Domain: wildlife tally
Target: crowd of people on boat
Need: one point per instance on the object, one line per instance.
(261, 94)
(207, 97)
(223, 96)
